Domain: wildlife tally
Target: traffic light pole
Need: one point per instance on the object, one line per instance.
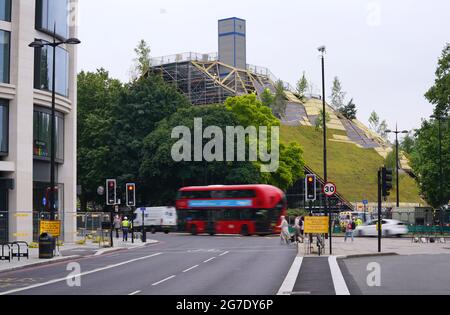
(379, 210)
(112, 226)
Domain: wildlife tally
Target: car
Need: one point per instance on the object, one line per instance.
(390, 228)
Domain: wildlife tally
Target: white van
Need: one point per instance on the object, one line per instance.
(156, 219)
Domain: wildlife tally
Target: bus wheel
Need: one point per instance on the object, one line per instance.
(194, 230)
(153, 230)
(244, 230)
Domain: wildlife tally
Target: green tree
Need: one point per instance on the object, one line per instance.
(349, 111)
(143, 104)
(426, 163)
(280, 102)
(97, 95)
(439, 94)
(267, 98)
(377, 126)
(250, 112)
(302, 86)
(319, 120)
(407, 144)
(337, 95)
(162, 176)
(142, 62)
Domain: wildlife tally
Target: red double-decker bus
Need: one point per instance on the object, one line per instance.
(246, 210)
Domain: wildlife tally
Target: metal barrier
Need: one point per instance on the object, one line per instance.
(19, 254)
(3, 256)
(429, 233)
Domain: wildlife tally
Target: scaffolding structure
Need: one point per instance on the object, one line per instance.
(205, 80)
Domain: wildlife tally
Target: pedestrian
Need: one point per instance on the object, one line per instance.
(117, 225)
(284, 235)
(349, 230)
(125, 228)
(359, 222)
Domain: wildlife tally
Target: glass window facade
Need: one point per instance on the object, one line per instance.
(51, 14)
(5, 49)
(4, 127)
(43, 70)
(42, 135)
(5, 10)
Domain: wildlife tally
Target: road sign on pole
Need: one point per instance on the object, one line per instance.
(329, 189)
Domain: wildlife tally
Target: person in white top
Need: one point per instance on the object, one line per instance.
(284, 235)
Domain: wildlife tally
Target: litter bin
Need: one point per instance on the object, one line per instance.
(47, 246)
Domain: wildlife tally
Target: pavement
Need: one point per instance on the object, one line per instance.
(69, 252)
(398, 275)
(369, 246)
(346, 272)
(176, 265)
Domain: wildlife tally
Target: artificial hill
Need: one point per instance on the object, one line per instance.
(354, 151)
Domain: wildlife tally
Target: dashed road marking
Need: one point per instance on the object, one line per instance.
(134, 293)
(164, 280)
(192, 268)
(207, 261)
(223, 254)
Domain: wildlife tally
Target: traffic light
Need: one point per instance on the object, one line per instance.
(111, 192)
(310, 188)
(387, 177)
(131, 195)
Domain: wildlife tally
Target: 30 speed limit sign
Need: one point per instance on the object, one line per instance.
(329, 189)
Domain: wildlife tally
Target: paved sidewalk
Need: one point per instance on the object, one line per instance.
(69, 252)
(369, 246)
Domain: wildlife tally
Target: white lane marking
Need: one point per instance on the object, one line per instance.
(164, 280)
(338, 279)
(192, 268)
(223, 254)
(134, 293)
(207, 261)
(288, 285)
(77, 276)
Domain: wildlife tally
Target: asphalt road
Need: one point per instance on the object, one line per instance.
(178, 265)
(399, 275)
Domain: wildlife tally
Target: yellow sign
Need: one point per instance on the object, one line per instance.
(316, 225)
(51, 227)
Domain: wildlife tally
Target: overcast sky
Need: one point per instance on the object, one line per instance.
(384, 52)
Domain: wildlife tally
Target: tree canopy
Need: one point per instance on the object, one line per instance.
(426, 162)
(439, 94)
(349, 111)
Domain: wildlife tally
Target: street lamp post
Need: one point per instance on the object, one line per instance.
(38, 44)
(397, 160)
(322, 50)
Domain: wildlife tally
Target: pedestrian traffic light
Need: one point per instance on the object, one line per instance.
(111, 192)
(131, 195)
(387, 177)
(310, 188)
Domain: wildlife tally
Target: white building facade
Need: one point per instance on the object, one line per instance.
(25, 117)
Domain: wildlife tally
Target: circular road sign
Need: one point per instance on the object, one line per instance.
(101, 190)
(329, 189)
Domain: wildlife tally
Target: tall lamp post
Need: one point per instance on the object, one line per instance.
(323, 50)
(397, 160)
(38, 44)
